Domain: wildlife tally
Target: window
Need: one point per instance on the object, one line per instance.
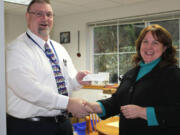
(114, 45)
(173, 27)
(105, 51)
(127, 36)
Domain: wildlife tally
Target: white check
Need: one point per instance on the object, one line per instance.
(96, 77)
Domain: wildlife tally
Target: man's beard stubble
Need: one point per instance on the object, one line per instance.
(44, 32)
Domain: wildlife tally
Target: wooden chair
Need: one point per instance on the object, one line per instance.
(91, 122)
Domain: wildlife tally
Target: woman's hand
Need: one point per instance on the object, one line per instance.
(133, 111)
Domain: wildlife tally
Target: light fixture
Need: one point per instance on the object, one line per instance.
(24, 2)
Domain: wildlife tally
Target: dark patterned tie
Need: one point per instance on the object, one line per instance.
(60, 81)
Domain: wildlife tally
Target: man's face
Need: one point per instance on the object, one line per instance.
(40, 19)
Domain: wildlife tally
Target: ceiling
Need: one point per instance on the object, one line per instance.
(69, 7)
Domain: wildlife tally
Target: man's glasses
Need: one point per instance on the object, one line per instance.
(41, 14)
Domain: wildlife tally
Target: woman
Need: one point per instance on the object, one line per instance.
(148, 98)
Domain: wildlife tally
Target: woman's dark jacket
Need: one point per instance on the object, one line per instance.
(160, 89)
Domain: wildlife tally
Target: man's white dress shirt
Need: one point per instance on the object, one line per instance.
(31, 85)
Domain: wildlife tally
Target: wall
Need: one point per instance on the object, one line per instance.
(14, 26)
(73, 23)
(2, 74)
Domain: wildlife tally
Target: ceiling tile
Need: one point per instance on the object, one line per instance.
(66, 7)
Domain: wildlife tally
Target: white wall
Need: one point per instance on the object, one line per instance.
(2, 74)
(73, 23)
(14, 26)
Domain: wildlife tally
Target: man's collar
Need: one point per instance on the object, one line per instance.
(39, 40)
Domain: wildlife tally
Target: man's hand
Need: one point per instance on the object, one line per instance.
(78, 107)
(80, 75)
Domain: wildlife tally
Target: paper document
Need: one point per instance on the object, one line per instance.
(97, 77)
(114, 124)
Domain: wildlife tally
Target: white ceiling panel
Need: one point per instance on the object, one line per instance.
(100, 4)
(67, 7)
(126, 2)
(75, 2)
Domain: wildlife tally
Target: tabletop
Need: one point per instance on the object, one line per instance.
(108, 126)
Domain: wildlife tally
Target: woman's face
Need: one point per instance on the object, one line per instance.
(151, 49)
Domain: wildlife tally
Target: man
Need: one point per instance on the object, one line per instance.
(40, 75)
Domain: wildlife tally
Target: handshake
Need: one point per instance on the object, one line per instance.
(81, 108)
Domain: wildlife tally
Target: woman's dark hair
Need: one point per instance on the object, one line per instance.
(37, 1)
(163, 36)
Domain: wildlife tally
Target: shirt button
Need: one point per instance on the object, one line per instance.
(163, 121)
(131, 89)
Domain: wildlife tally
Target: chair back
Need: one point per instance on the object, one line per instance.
(91, 122)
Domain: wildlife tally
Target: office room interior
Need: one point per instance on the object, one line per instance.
(81, 19)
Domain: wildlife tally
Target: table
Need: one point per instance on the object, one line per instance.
(105, 127)
(107, 89)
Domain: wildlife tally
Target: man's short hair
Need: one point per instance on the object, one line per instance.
(37, 1)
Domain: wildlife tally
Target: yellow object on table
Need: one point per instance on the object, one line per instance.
(110, 126)
(107, 89)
